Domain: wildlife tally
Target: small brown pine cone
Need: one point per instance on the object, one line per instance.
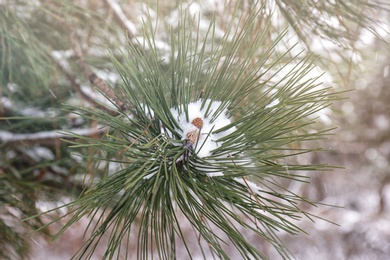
(198, 122)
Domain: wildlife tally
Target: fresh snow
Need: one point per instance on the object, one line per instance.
(6, 136)
(273, 103)
(208, 139)
(250, 185)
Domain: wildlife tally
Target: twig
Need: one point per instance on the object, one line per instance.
(130, 29)
(121, 18)
(46, 137)
(79, 89)
(91, 76)
(74, 83)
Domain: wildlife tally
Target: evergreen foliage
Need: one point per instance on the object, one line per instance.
(161, 177)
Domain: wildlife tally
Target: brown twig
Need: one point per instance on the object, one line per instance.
(90, 99)
(95, 81)
(91, 76)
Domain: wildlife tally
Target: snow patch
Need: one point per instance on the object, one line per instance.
(39, 154)
(204, 118)
(273, 103)
(118, 10)
(97, 96)
(250, 185)
(214, 174)
(208, 139)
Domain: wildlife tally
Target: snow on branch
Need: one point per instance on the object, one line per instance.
(5, 106)
(121, 18)
(46, 137)
(90, 75)
(86, 93)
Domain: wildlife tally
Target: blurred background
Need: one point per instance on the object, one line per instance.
(50, 49)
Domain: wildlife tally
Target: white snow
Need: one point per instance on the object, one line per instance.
(107, 75)
(62, 54)
(118, 10)
(164, 49)
(44, 206)
(39, 153)
(77, 157)
(6, 103)
(148, 110)
(273, 103)
(13, 87)
(214, 174)
(97, 96)
(62, 57)
(28, 111)
(6, 136)
(250, 185)
(150, 175)
(208, 139)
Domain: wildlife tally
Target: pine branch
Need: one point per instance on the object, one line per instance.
(222, 174)
(212, 160)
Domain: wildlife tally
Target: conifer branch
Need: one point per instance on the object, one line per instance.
(251, 126)
(212, 159)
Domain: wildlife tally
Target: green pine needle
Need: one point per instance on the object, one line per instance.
(162, 179)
